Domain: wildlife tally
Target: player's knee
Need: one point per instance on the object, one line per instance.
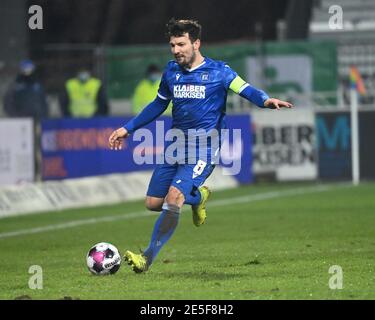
(153, 204)
(175, 197)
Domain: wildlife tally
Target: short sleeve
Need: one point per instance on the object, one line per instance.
(164, 92)
(229, 76)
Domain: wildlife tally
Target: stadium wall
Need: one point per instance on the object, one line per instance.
(74, 148)
(289, 144)
(284, 146)
(334, 144)
(87, 192)
(292, 145)
(16, 151)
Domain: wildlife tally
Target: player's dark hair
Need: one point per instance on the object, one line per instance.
(177, 28)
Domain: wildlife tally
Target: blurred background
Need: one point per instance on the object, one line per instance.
(81, 64)
(116, 40)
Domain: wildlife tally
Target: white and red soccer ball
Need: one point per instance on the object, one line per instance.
(103, 258)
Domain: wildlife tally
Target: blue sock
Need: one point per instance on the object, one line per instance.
(163, 230)
(193, 199)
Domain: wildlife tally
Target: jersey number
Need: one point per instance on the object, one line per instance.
(198, 169)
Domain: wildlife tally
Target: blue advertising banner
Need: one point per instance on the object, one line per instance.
(73, 148)
(334, 145)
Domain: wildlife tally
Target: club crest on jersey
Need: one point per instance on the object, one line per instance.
(178, 76)
(205, 76)
(189, 91)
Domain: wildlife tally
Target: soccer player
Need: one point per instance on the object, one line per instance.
(197, 86)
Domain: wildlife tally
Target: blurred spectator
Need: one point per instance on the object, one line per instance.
(26, 97)
(84, 96)
(146, 90)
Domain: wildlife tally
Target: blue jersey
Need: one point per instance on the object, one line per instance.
(199, 104)
(198, 95)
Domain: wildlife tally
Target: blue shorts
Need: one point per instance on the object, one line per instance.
(185, 177)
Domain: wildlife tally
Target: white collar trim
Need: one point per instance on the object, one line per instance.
(198, 66)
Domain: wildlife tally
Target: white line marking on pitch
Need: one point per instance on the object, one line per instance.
(141, 214)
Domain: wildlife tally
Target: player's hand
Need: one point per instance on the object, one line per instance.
(116, 139)
(273, 103)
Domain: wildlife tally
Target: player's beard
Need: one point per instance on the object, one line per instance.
(188, 63)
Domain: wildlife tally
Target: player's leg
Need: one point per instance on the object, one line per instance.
(159, 189)
(154, 203)
(199, 194)
(199, 210)
(164, 227)
(165, 224)
(159, 186)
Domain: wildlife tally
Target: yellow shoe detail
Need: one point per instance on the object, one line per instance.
(199, 211)
(138, 262)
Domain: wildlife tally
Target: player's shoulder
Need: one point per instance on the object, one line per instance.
(172, 65)
(216, 64)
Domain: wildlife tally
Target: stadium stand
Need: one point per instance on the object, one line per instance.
(355, 41)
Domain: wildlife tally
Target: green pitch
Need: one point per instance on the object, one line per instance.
(259, 242)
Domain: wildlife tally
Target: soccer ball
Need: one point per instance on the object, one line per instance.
(103, 259)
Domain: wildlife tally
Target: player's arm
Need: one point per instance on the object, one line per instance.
(256, 96)
(147, 115)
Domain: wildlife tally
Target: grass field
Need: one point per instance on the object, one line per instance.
(259, 242)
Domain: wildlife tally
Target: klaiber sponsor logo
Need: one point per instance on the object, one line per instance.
(189, 91)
